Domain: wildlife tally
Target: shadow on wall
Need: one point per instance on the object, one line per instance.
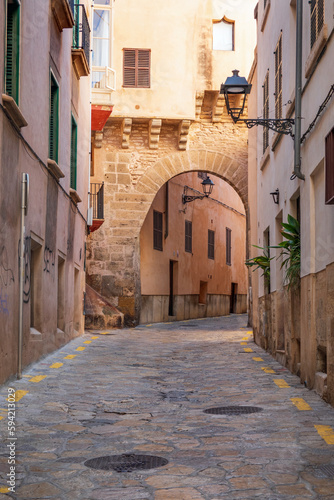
(100, 313)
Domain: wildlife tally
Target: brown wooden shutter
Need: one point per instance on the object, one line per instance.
(329, 158)
(136, 68)
(143, 78)
(188, 236)
(228, 247)
(211, 244)
(157, 230)
(129, 68)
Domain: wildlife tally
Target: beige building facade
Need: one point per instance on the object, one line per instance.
(163, 117)
(295, 324)
(44, 133)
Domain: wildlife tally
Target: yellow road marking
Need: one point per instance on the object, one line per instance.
(243, 343)
(1, 417)
(267, 370)
(281, 383)
(301, 404)
(250, 333)
(4, 409)
(258, 359)
(19, 395)
(93, 338)
(80, 348)
(56, 365)
(244, 338)
(148, 325)
(70, 356)
(106, 333)
(326, 432)
(4, 489)
(248, 349)
(38, 378)
(87, 342)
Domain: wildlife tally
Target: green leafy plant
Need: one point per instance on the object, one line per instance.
(261, 262)
(290, 251)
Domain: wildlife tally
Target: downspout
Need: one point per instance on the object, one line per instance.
(24, 208)
(298, 96)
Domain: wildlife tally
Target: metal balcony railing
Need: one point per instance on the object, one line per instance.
(81, 29)
(97, 199)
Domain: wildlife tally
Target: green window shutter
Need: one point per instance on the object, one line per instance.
(12, 50)
(74, 140)
(54, 119)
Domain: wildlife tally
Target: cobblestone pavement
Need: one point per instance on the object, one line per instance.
(144, 391)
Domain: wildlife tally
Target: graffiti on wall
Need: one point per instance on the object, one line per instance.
(49, 261)
(4, 303)
(26, 268)
(6, 274)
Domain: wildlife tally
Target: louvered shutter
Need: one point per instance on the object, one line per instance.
(188, 236)
(136, 68)
(73, 179)
(129, 68)
(53, 121)
(143, 78)
(211, 244)
(329, 158)
(228, 246)
(12, 51)
(157, 230)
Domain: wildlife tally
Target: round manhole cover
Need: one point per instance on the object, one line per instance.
(233, 410)
(126, 462)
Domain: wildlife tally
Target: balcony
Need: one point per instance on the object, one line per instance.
(81, 40)
(96, 205)
(62, 14)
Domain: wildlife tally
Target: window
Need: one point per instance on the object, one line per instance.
(74, 139)
(157, 230)
(278, 79)
(223, 34)
(266, 246)
(211, 244)
(102, 43)
(329, 161)
(266, 111)
(228, 247)
(12, 50)
(188, 236)
(136, 68)
(54, 118)
(317, 19)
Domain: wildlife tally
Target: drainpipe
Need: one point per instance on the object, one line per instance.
(298, 96)
(24, 209)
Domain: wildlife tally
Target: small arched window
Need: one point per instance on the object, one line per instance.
(223, 34)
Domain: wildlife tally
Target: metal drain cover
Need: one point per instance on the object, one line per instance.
(126, 462)
(233, 410)
(325, 471)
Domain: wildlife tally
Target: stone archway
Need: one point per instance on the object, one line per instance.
(113, 268)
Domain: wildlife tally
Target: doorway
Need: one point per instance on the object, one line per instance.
(172, 270)
(233, 299)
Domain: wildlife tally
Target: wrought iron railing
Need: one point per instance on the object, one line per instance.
(81, 29)
(97, 199)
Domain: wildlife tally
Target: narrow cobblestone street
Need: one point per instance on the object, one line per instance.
(143, 391)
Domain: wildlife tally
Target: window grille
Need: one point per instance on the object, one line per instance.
(157, 230)
(278, 79)
(188, 236)
(266, 111)
(136, 68)
(211, 244)
(228, 247)
(317, 19)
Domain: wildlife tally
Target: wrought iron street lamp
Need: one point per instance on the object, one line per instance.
(238, 86)
(207, 186)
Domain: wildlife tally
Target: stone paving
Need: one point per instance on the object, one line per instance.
(144, 391)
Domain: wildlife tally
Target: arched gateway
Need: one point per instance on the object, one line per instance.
(113, 257)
